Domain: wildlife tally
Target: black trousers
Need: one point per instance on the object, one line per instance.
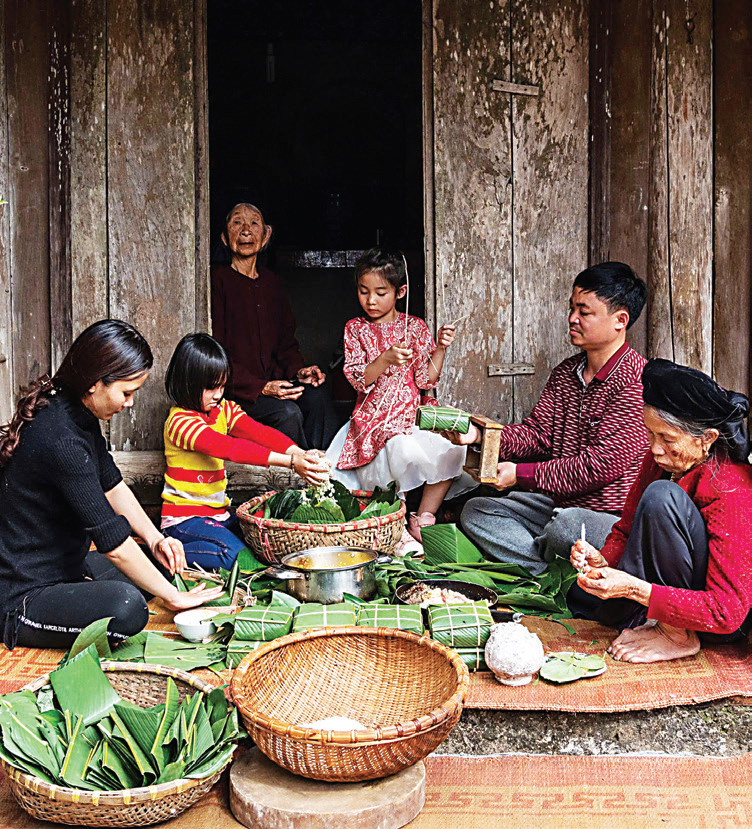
(311, 420)
(53, 616)
(668, 545)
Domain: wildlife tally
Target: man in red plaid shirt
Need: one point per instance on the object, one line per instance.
(572, 461)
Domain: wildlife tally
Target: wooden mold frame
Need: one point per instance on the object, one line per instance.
(482, 464)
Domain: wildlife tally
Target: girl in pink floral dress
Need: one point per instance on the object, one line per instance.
(389, 359)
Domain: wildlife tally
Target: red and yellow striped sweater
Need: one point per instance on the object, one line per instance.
(196, 447)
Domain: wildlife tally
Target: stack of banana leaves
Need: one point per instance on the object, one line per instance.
(78, 732)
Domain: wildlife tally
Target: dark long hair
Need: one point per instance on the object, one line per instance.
(198, 363)
(108, 350)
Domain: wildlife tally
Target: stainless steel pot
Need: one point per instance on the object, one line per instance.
(327, 575)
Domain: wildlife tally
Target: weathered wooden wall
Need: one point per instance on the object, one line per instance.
(511, 200)
(105, 141)
(667, 147)
(671, 139)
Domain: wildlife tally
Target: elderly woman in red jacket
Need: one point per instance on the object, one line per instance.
(676, 569)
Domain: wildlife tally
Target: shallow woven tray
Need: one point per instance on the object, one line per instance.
(271, 539)
(144, 685)
(407, 689)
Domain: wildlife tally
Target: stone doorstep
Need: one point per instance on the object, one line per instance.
(711, 729)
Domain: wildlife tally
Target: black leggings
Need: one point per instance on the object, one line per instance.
(53, 616)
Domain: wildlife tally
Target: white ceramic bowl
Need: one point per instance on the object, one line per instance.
(196, 624)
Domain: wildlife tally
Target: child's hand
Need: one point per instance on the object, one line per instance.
(398, 355)
(313, 470)
(445, 337)
(282, 390)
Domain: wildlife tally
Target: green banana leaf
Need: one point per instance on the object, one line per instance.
(81, 686)
(94, 634)
(444, 543)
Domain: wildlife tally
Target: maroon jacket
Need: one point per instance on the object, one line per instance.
(253, 320)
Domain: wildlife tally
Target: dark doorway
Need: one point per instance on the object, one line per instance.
(315, 111)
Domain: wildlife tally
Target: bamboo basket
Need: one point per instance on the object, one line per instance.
(144, 685)
(406, 689)
(271, 539)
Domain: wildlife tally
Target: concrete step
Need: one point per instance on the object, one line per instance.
(713, 729)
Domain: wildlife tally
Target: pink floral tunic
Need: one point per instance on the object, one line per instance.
(387, 407)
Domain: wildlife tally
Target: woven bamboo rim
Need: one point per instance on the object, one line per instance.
(245, 513)
(365, 737)
(120, 797)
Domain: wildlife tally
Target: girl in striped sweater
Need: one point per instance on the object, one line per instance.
(203, 431)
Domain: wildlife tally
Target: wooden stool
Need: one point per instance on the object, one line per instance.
(265, 796)
(482, 465)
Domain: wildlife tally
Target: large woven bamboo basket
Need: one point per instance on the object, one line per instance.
(144, 685)
(271, 539)
(407, 690)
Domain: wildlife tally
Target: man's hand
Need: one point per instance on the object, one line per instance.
(471, 436)
(311, 374)
(282, 390)
(506, 475)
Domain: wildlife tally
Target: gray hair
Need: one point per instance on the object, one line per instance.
(691, 427)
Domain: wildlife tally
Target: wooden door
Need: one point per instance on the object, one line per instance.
(510, 145)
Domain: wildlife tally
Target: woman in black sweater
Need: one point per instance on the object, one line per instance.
(60, 490)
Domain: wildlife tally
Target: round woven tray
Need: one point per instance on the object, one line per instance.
(407, 690)
(271, 539)
(144, 685)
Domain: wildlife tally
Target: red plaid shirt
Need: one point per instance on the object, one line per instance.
(592, 436)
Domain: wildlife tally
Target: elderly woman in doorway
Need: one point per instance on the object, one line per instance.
(252, 319)
(60, 490)
(676, 569)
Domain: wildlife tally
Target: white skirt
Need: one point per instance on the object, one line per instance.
(420, 457)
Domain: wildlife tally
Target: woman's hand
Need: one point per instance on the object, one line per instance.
(445, 336)
(472, 436)
(192, 598)
(397, 355)
(583, 554)
(311, 374)
(282, 390)
(608, 583)
(313, 470)
(169, 553)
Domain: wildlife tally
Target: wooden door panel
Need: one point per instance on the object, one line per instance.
(550, 161)
(473, 201)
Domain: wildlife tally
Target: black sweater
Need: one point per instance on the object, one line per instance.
(52, 501)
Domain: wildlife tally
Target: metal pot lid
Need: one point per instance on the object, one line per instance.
(330, 558)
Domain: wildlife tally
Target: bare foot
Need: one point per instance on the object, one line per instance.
(654, 642)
